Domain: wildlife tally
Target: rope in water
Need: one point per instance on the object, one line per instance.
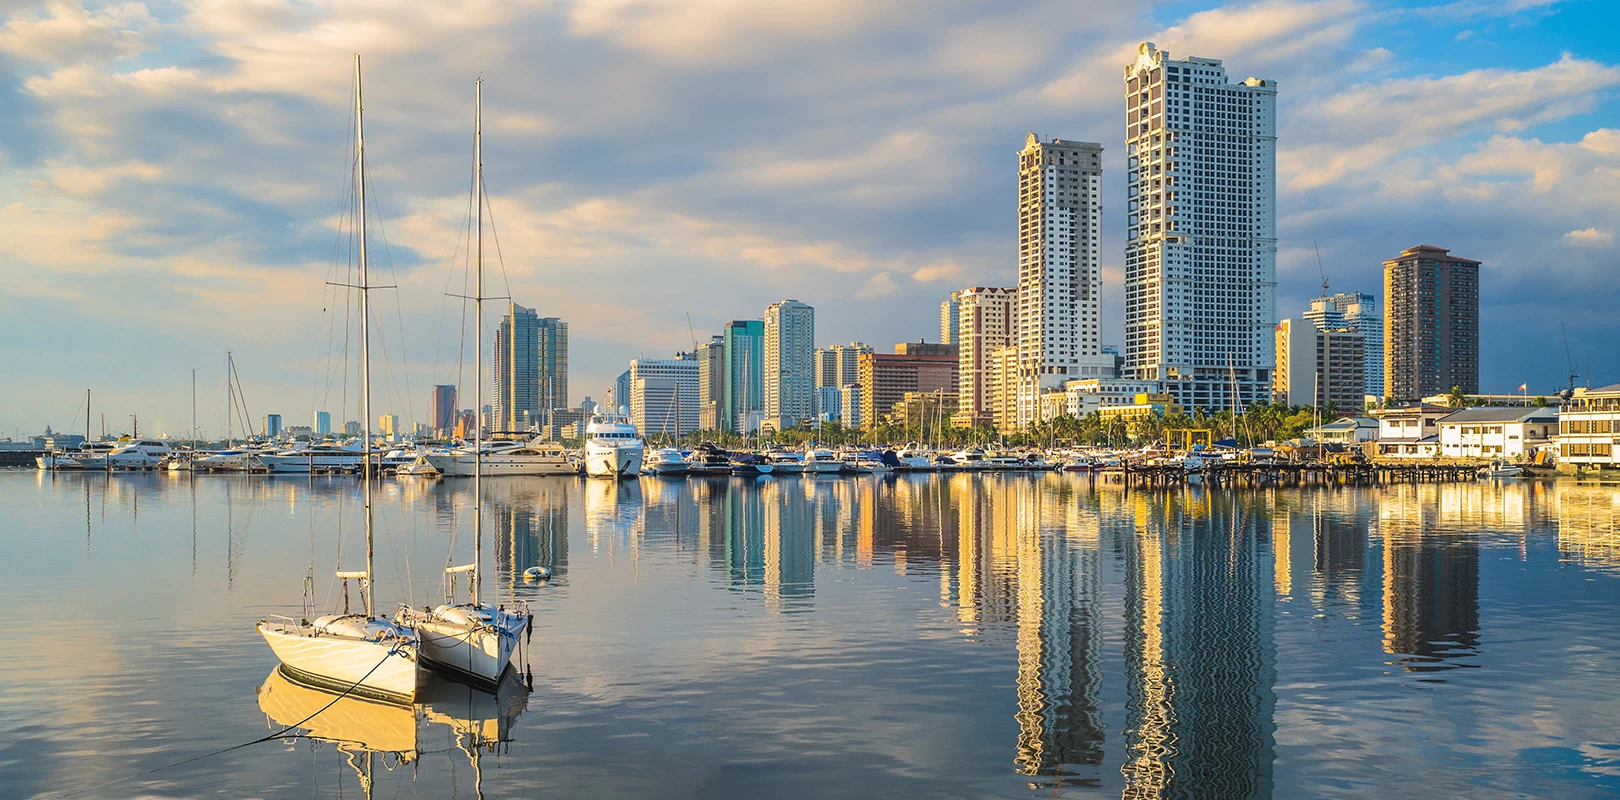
(281, 734)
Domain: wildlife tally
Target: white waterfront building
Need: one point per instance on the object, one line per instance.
(790, 366)
(664, 395)
(1059, 277)
(1201, 229)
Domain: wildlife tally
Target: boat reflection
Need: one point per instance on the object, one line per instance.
(367, 733)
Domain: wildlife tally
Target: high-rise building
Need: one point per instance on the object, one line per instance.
(530, 368)
(743, 399)
(443, 403)
(621, 393)
(352, 428)
(664, 394)
(949, 316)
(986, 322)
(388, 426)
(1059, 278)
(1001, 388)
(885, 378)
(323, 423)
(1319, 368)
(272, 425)
(839, 365)
(849, 401)
(1431, 324)
(1358, 312)
(789, 350)
(1201, 230)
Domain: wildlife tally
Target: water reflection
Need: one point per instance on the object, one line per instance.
(1134, 637)
(449, 718)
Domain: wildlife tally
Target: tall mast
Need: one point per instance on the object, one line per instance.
(365, 332)
(194, 408)
(87, 417)
(230, 401)
(478, 304)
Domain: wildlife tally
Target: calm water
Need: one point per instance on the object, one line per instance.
(929, 636)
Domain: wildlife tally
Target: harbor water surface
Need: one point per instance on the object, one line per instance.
(911, 636)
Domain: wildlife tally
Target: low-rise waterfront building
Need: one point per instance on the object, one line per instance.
(1511, 432)
(1345, 430)
(1410, 431)
(1589, 429)
(1144, 407)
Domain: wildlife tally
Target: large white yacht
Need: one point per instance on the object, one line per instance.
(507, 457)
(138, 454)
(322, 457)
(613, 449)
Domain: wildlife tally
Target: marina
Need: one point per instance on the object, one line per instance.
(1007, 633)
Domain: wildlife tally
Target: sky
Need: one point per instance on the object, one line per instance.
(173, 176)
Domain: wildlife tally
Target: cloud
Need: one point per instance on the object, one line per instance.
(1363, 128)
(1589, 237)
(1465, 10)
(64, 32)
(878, 286)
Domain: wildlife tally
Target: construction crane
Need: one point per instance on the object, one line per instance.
(1569, 359)
(693, 332)
(1320, 268)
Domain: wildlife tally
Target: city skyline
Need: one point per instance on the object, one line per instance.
(872, 216)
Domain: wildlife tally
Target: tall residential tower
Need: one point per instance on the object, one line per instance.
(790, 374)
(1059, 279)
(1201, 230)
(1431, 323)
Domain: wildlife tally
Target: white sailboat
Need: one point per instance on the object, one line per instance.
(472, 641)
(360, 654)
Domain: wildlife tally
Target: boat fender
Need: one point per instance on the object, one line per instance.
(537, 573)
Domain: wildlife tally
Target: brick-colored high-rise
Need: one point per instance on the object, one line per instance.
(1431, 323)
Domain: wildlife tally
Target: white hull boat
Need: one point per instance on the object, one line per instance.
(372, 657)
(667, 461)
(527, 460)
(613, 449)
(334, 460)
(57, 461)
(471, 643)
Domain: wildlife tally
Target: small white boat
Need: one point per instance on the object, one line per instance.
(868, 465)
(822, 462)
(421, 468)
(784, 463)
(613, 449)
(969, 458)
(1501, 470)
(667, 461)
(243, 459)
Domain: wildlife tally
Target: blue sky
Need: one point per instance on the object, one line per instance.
(171, 174)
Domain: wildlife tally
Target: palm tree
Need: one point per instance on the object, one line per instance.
(1456, 399)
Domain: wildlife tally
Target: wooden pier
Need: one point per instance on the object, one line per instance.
(1288, 475)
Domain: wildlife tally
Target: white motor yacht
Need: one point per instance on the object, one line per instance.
(322, 457)
(613, 449)
(785, 463)
(667, 461)
(507, 457)
(138, 454)
(822, 462)
(969, 458)
(240, 459)
(93, 455)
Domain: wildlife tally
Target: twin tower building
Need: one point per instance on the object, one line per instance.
(1200, 255)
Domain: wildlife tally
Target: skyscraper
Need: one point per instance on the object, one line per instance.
(949, 314)
(1319, 367)
(987, 322)
(743, 400)
(530, 376)
(1201, 230)
(443, 403)
(789, 349)
(1431, 323)
(664, 394)
(272, 425)
(323, 423)
(1358, 312)
(915, 367)
(1059, 279)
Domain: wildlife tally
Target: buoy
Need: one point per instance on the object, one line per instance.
(537, 573)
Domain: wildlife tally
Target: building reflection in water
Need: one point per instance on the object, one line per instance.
(1588, 524)
(527, 524)
(1199, 653)
(1431, 579)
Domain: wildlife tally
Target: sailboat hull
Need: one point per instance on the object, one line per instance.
(476, 655)
(381, 670)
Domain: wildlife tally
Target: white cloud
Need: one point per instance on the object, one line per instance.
(1365, 127)
(1590, 237)
(65, 32)
(878, 286)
